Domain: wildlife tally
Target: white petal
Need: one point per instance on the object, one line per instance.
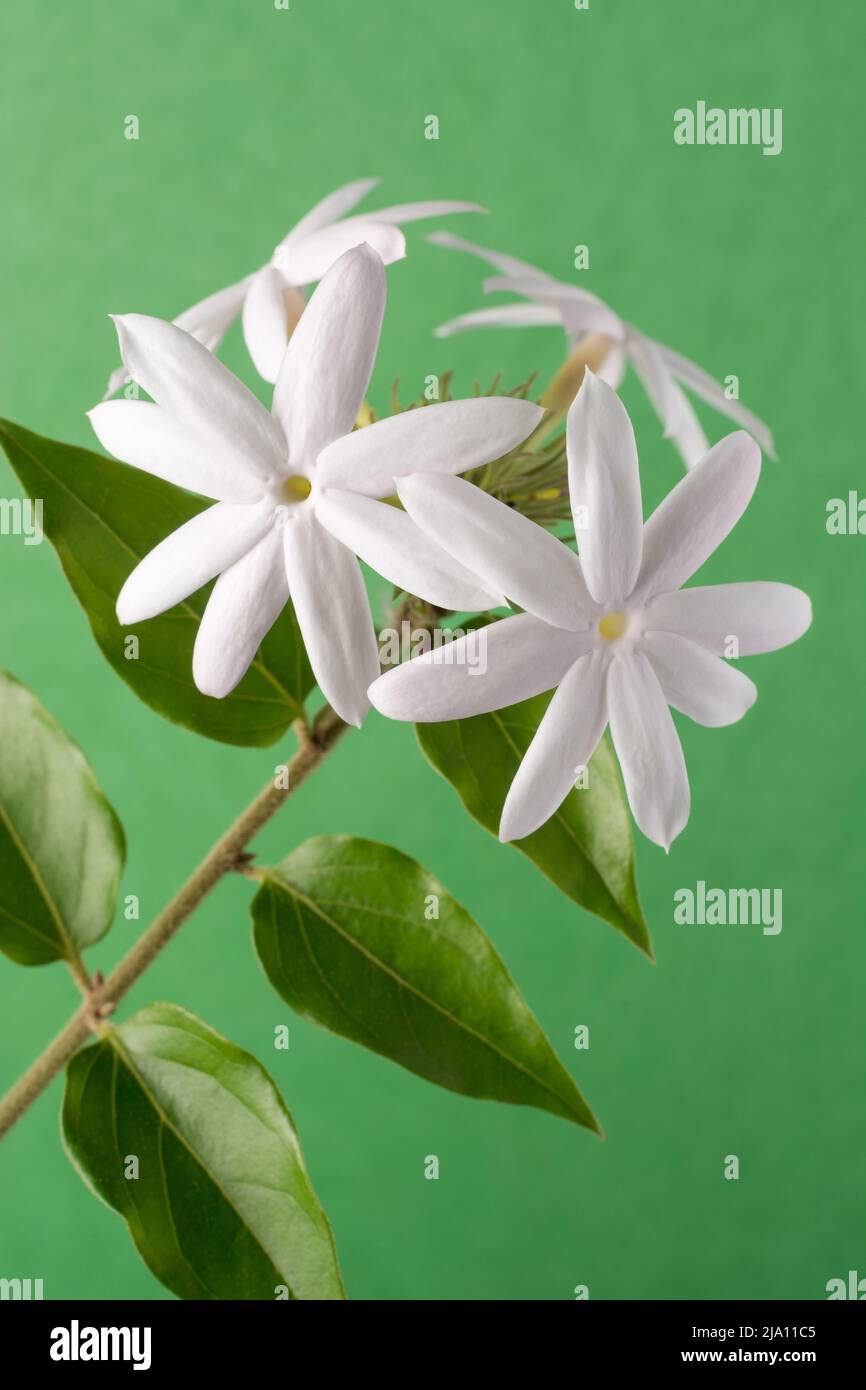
(508, 265)
(147, 437)
(708, 389)
(266, 322)
(190, 557)
(676, 413)
(211, 318)
(564, 742)
(487, 669)
(450, 437)
(688, 435)
(504, 316)
(335, 205)
(333, 613)
(311, 257)
(414, 212)
(697, 683)
(510, 553)
(604, 486)
(581, 312)
(612, 367)
(208, 321)
(119, 377)
(246, 601)
(535, 284)
(656, 378)
(580, 319)
(760, 617)
(648, 748)
(195, 388)
(330, 356)
(697, 514)
(390, 542)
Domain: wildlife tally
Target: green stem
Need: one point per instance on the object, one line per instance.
(227, 855)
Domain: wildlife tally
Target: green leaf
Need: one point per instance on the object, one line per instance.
(61, 845)
(102, 518)
(344, 930)
(222, 1206)
(586, 848)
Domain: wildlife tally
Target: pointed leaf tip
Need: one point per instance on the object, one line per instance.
(362, 939)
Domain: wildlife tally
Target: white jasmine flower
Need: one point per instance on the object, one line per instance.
(270, 299)
(662, 371)
(296, 488)
(613, 630)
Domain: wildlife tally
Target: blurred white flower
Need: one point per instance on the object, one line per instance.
(613, 630)
(296, 487)
(662, 371)
(270, 299)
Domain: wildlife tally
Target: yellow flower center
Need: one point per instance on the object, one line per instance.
(612, 626)
(296, 488)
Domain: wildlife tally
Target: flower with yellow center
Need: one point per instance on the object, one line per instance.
(298, 490)
(612, 631)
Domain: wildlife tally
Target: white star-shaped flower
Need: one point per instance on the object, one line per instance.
(296, 487)
(612, 631)
(270, 299)
(662, 371)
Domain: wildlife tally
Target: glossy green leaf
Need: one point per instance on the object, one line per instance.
(102, 518)
(187, 1137)
(348, 935)
(61, 845)
(586, 848)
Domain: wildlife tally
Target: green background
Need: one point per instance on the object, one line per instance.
(561, 122)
